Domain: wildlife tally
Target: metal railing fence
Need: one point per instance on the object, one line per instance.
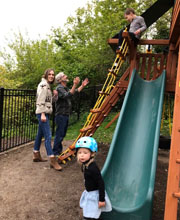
(18, 123)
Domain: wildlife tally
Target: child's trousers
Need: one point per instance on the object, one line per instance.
(132, 36)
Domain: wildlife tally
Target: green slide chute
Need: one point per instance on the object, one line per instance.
(130, 168)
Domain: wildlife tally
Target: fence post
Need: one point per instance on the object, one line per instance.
(1, 114)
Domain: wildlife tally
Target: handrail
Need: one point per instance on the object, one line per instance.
(114, 41)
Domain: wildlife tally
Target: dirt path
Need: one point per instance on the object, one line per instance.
(34, 191)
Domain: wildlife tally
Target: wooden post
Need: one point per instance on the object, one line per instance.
(169, 62)
(113, 120)
(132, 57)
(174, 167)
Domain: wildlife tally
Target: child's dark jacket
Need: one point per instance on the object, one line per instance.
(94, 180)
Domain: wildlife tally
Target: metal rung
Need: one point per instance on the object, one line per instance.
(63, 161)
(120, 54)
(89, 127)
(72, 147)
(103, 93)
(96, 110)
(112, 71)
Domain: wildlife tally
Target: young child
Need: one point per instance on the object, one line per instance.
(94, 199)
(136, 27)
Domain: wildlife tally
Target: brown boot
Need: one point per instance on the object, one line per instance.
(37, 157)
(54, 164)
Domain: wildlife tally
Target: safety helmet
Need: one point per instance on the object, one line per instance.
(87, 142)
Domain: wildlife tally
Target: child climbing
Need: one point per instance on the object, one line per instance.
(135, 29)
(94, 199)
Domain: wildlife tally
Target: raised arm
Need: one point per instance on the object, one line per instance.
(84, 83)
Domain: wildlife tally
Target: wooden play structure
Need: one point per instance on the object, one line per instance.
(149, 66)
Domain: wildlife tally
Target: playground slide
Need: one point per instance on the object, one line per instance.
(130, 167)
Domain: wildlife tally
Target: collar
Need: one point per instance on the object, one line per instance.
(43, 80)
(87, 163)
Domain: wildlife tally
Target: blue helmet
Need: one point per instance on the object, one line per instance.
(87, 142)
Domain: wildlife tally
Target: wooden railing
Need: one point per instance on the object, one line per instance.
(114, 41)
(150, 66)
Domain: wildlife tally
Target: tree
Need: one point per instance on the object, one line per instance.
(30, 60)
(83, 43)
(80, 48)
(5, 80)
(162, 31)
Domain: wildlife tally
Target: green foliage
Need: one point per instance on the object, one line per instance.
(105, 135)
(166, 129)
(162, 27)
(84, 41)
(6, 80)
(101, 135)
(30, 60)
(167, 115)
(18, 116)
(80, 48)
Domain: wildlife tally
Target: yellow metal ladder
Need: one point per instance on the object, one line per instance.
(105, 91)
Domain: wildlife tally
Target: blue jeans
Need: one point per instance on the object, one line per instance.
(61, 129)
(44, 130)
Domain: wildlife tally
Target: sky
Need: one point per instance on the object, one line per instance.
(36, 17)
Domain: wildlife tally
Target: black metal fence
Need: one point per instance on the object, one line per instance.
(18, 123)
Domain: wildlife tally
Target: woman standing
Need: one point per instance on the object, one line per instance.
(43, 110)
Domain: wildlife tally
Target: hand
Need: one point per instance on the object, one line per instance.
(76, 80)
(55, 92)
(137, 32)
(85, 82)
(101, 204)
(43, 117)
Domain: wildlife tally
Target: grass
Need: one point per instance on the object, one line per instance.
(166, 128)
(102, 134)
